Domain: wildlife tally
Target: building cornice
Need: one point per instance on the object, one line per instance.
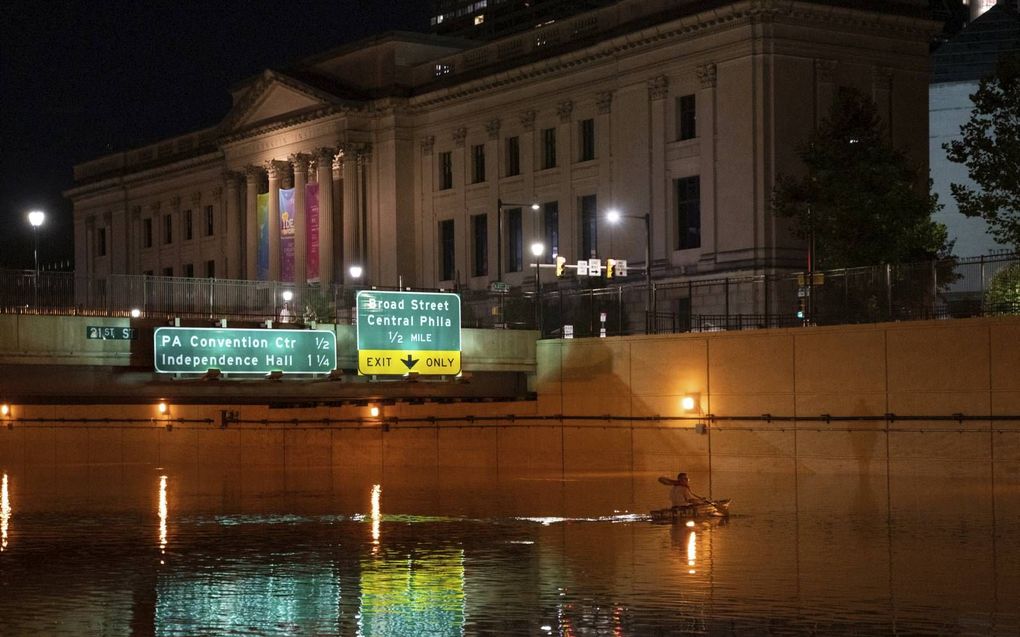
(684, 27)
(127, 178)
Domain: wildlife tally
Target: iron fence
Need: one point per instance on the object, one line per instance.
(937, 289)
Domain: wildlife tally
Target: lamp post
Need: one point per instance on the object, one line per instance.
(36, 218)
(538, 249)
(614, 217)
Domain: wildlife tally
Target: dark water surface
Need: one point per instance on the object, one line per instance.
(149, 552)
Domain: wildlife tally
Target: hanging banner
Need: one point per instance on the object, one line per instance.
(287, 235)
(262, 224)
(312, 208)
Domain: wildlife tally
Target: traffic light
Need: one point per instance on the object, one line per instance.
(610, 265)
(800, 309)
(560, 262)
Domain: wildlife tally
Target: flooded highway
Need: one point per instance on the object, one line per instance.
(147, 551)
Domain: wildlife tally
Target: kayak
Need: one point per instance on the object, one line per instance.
(710, 509)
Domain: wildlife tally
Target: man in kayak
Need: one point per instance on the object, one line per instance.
(681, 495)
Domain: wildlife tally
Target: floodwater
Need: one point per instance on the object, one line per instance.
(150, 552)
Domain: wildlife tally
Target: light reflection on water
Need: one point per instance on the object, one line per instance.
(319, 563)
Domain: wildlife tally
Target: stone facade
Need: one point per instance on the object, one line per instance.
(657, 106)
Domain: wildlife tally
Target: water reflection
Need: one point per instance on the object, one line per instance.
(376, 516)
(5, 513)
(692, 550)
(162, 516)
(307, 562)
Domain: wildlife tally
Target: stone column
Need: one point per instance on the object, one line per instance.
(658, 91)
(135, 240)
(324, 175)
(176, 233)
(351, 206)
(251, 226)
(300, 163)
(232, 226)
(707, 137)
(276, 172)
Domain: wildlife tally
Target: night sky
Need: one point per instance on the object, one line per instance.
(82, 79)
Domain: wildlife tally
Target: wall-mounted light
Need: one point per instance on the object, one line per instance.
(355, 271)
(135, 312)
(288, 296)
(690, 402)
(374, 411)
(163, 408)
(5, 410)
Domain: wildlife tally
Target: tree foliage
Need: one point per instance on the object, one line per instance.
(1003, 295)
(860, 198)
(990, 148)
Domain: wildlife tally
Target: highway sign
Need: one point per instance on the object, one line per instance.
(402, 332)
(195, 350)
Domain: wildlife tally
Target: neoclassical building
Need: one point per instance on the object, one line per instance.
(395, 153)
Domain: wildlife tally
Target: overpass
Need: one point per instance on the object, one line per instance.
(52, 359)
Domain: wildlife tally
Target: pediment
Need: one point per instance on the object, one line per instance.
(275, 97)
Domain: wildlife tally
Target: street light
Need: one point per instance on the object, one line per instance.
(500, 204)
(538, 249)
(36, 218)
(614, 217)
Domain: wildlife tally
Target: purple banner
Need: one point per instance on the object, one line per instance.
(287, 235)
(312, 214)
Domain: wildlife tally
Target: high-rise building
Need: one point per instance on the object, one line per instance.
(488, 19)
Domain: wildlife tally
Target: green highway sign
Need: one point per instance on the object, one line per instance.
(195, 350)
(402, 332)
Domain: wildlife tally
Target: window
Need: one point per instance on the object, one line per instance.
(445, 170)
(478, 163)
(589, 226)
(480, 236)
(148, 273)
(101, 242)
(210, 269)
(586, 130)
(168, 271)
(513, 156)
(168, 229)
(548, 148)
(686, 118)
(147, 233)
(515, 241)
(209, 226)
(551, 228)
(447, 263)
(688, 212)
(189, 270)
(187, 225)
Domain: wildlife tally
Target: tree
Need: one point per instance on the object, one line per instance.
(1003, 295)
(990, 148)
(860, 199)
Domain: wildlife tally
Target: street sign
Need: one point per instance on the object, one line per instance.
(499, 287)
(107, 333)
(594, 267)
(195, 350)
(582, 268)
(402, 332)
(621, 267)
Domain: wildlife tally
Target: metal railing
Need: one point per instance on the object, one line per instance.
(937, 289)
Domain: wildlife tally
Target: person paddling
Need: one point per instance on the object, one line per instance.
(681, 494)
